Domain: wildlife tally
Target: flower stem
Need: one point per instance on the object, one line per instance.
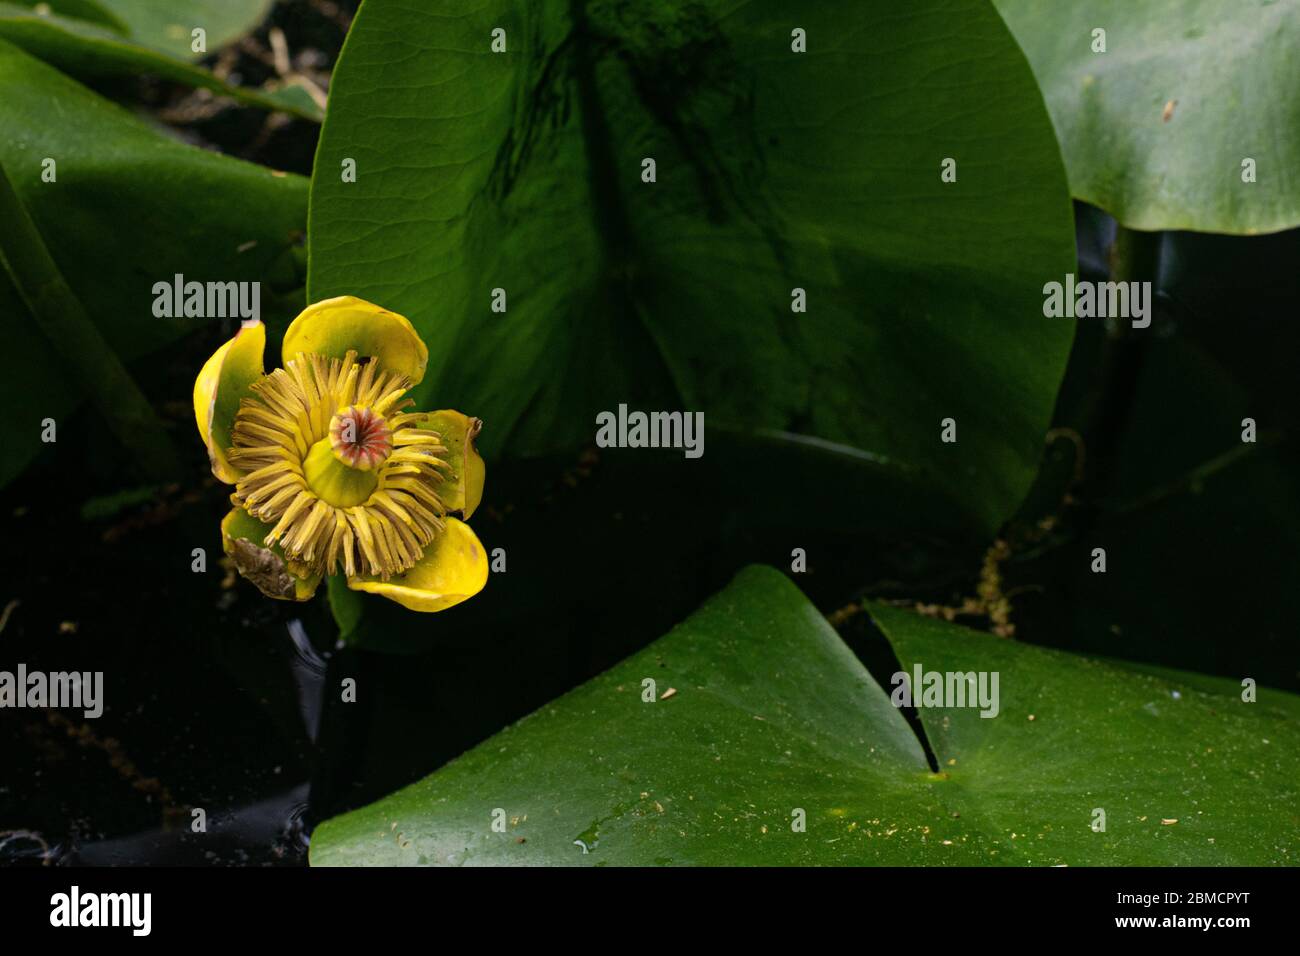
(88, 357)
(1134, 257)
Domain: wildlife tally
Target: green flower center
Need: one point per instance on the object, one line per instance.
(337, 483)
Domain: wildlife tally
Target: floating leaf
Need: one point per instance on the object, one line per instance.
(772, 721)
(1156, 129)
(169, 24)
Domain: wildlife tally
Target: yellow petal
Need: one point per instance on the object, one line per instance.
(241, 538)
(454, 568)
(461, 490)
(333, 326)
(222, 382)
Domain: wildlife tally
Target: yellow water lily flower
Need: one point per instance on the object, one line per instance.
(331, 473)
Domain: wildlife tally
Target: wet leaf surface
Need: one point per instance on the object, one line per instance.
(760, 711)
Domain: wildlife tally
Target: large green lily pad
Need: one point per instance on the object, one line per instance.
(775, 170)
(1156, 128)
(771, 715)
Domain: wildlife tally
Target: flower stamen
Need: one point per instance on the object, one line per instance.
(343, 476)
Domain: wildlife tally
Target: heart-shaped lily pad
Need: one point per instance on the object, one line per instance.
(762, 740)
(833, 221)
